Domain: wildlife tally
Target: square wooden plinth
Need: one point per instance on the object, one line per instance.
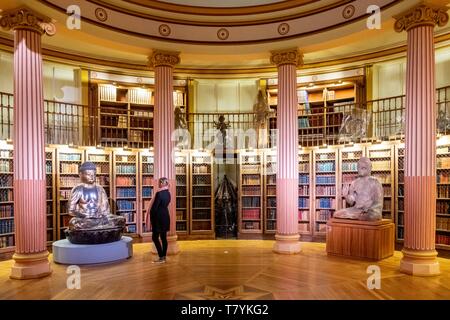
(369, 240)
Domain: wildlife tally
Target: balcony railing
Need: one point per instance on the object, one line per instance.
(75, 124)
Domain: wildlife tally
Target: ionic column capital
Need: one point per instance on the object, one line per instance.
(24, 18)
(164, 58)
(421, 15)
(287, 56)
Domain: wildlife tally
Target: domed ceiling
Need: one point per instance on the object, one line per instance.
(232, 34)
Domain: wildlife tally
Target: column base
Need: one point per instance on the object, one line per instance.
(287, 244)
(30, 266)
(419, 263)
(172, 246)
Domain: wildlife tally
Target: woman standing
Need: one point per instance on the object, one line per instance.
(160, 219)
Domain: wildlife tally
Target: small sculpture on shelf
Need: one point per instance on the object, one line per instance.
(92, 221)
(365, 194)
(180, 119)
(222, 126)
(262, 112)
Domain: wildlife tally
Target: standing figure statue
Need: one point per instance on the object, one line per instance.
(262, 111)
(222, 126)
(180, 119)
(92, 220)
(365, 194)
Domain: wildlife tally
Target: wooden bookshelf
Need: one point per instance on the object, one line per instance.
(125, 188)
(50, 185)
(7, 229)
(326, 185)
(348, 168)
(250, 208)
(202, 195)
(443, 193)
(270, 191)
(383, 161)
(68, 161)
(146, 187)
(305, 226)
(400, 192)
(182, 193)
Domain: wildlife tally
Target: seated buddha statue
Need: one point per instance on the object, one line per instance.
(365, 195)
(92, 220)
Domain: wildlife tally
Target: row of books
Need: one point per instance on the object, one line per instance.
(180, 169)
(249, 214)
(443, 163)
(69, 181)
(303, 202)
(325, 166)
(125, 204)
(303, 215)
(125, 192)
(99, 157)
(271, 213)
(199, 179)
(325, 156)
(148, 181)
(6, 241)
(253, 168)
(251, 225)
(303, 227)
(147, 191)
(6, 211)
(200, 168)
(181, 191)
(201, 203)
(142, 114)
(125, 181)
(48, 167)
(443, 223)
(181, 203)
(122, 158)
(325, 180)
(6, 154)
(381, 165)
(303, 167)
(303, 178)
(443, 207)
(443, 177)
(6, 180)
(148, 168)
(325, 190)
(443, 239)
(201, 215)
(380, 154)
(249, 191)
(102, 180)
(272, 202)
(271, 225)
(181, 215)
(272, 179)
(64, 194)
(251, 179)
(325, 203)
(126, 168)
(349, 166)
(131, 228)
(303, 190)
(201, 190)
(6, 195)
(181, 226)
(69, 157)
(443, 191)
(323, 215)
(251, 201)
(69, 168)
(387, 204)
(352, 155)
(6, 226)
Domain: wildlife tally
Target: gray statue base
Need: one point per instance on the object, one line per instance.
(65, 252)
(94, 236)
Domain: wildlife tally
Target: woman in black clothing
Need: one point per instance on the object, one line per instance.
(160, 219)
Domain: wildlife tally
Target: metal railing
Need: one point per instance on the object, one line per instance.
(82, 125)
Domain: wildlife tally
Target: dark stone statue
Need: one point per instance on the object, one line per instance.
(92, 221)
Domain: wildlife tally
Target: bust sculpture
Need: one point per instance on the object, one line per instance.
(92, 221)
(365, 195)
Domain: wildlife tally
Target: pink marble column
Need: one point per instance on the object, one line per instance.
(419, 254)
(164, 125)
(31, 255)
(287, 236)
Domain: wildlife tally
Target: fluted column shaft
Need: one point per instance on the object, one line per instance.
(29, 146)
(287, 235)
(419, 254)
(164, 125)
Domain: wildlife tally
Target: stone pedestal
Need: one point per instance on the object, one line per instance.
(65, 252)
(369, 240)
